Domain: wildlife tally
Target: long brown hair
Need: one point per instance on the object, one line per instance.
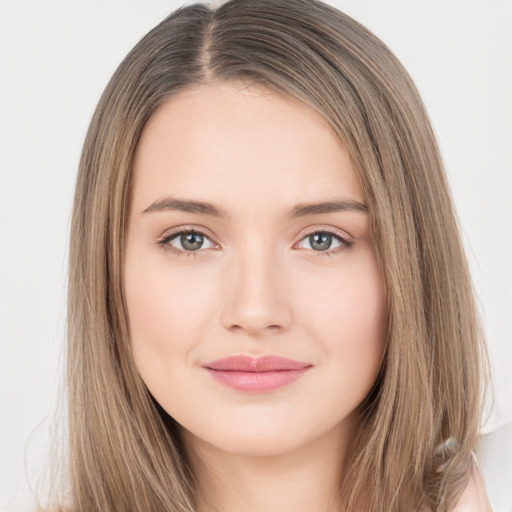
(420, 422)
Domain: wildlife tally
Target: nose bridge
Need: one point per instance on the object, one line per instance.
(257, 300)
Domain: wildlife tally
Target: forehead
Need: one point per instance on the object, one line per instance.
(241, 143)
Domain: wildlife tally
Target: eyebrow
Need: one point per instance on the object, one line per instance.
(303, 209)
(299, 210)
(187, 205)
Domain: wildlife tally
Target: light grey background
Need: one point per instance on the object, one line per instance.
(55, 59)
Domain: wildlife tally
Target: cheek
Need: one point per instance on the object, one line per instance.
(166, 311)
(350, 320)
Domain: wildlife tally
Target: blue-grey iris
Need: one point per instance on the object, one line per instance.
(191, 241)
(320, 241)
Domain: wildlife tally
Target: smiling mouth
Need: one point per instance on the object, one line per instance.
(261, 374)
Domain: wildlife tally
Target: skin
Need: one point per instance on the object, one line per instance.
(258, 285)
(474, 498)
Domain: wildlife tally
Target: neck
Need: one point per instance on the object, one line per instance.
(304, 480)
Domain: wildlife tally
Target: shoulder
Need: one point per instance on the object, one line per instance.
(474, 497)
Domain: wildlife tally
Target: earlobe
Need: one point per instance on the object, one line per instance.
(474, 497)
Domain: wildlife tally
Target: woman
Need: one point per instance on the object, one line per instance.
(269, 304)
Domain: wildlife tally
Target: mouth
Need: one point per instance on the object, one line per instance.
(265, 373)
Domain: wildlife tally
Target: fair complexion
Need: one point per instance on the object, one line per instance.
(263, 277)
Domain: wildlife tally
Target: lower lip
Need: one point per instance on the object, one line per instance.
(257, 381)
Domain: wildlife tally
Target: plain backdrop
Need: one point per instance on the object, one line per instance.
(55, 60)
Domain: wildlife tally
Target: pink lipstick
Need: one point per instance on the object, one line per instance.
(260, 374)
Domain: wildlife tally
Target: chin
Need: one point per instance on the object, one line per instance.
(256, 439)
(252, 446)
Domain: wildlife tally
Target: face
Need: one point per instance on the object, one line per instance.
(257, 321)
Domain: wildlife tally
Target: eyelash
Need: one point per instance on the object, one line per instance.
(345, 243)
(164, 242)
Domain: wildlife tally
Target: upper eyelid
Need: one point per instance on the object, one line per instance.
(345, 239)
(187, 229)
(335, 231)
(343, 235)
(308, 231)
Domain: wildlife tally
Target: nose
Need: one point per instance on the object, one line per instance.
(258, 295)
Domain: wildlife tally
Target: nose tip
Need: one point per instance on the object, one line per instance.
(254, 323)
(257, 303)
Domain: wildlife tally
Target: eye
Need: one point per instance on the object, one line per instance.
(186, 242)
(322, 241)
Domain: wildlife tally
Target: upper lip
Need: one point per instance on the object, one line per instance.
(244, 363)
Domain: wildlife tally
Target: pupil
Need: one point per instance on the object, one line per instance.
(192, 241)
(320, 241)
